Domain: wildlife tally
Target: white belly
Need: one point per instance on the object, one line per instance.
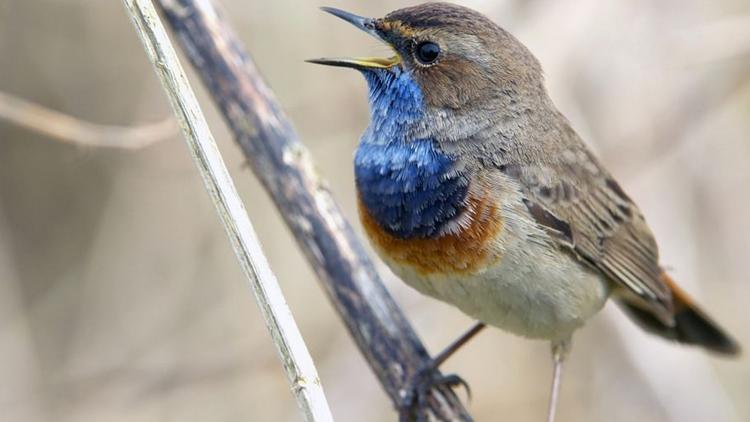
(524, 293)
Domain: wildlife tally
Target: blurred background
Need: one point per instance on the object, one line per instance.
(120, 297)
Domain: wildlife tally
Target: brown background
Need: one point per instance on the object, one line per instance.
(120, 298)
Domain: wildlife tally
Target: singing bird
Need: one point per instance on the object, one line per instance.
(475, 190)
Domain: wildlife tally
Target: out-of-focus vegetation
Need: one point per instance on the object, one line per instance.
(120, 299)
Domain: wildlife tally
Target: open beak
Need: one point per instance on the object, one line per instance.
(366, 25)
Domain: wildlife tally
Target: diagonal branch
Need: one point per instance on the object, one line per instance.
(285, 169)
(298, 364)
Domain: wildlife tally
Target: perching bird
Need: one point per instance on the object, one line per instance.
(475, 190)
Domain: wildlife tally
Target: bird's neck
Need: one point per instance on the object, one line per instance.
(396, 105)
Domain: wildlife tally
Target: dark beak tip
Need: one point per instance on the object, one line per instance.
(326, 62)
(335, 11)
(358, 21)
(330, 10)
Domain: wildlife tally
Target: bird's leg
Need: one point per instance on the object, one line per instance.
(560, 351)
(457, 343)
(419, 385)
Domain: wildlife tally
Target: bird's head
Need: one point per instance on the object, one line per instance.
(450, 60)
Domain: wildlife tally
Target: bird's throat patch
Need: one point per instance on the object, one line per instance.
(411, 192)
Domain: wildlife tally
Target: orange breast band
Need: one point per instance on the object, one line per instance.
(466, 250)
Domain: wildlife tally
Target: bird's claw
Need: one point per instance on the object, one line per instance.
(417, 390)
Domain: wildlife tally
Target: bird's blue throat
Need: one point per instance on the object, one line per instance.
(409, 186)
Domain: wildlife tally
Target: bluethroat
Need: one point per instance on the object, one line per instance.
(475, 190)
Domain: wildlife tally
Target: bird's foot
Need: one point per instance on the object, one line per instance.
(417, 389)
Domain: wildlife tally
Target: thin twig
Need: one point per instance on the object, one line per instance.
(283, 165)
(73, 130)
(294, 355)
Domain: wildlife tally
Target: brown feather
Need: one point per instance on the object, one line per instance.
(602, 226)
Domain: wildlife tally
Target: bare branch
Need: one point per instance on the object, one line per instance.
(72, 130)
(298, 364)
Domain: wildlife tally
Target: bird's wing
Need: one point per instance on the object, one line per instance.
(584, 209)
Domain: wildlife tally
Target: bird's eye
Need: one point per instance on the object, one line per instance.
(427, 52)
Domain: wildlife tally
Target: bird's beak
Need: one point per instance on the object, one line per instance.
(366, 25)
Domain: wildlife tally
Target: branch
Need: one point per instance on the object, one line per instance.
(295, 358)
(69, 129)
(285, 169)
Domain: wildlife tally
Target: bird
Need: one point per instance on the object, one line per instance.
(475, 190)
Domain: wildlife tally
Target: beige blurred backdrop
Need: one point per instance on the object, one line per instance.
(120, 298)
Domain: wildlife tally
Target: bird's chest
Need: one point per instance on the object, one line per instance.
(410, 189)
(419, 209)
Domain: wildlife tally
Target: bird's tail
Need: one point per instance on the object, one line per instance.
(691, 324)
